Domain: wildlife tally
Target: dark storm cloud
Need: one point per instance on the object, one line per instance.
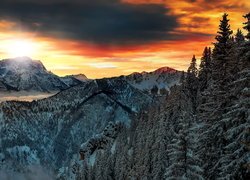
(97, 21)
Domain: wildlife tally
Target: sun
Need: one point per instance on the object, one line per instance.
(16, 48)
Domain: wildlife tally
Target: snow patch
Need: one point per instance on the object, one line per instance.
(113, 148)
(130, 151)
(91, 159)
(24, 154)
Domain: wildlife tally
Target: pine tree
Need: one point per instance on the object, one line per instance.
(235, 164)
(192, 81)
(184, 163)
(239, 37)
(223, 36)
(205, 69)
(182, 78)
(231, 60)
(192, 73)
(192, 70)
(245, 61)
(237, 53)
(213, 101)
(247, 26)
(177, 155)
(221, 48)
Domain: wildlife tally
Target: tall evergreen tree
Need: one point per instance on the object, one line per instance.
(205, 69)
(221, 48)
(223, 35)
(231, 60)
(247, 26)
(182, 78)
(213, 100)
(183, 162)
(192, 81)
(245, 61)
(192, 70)
(192, 73)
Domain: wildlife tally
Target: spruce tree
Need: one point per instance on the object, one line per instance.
(193, 67)
(247, 26)
(223, 35)
(183, 161)
(231, 60)
(213, 100)
(182, 78)
(221, 48)
(205, 69)
(192, 81)
(192, 73)
(245, 61)
(239, 37)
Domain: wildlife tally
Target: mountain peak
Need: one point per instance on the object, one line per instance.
(165, 69)
(81, 77)
(21, 59)
(25, 63)
(25, 74)
(161, 70)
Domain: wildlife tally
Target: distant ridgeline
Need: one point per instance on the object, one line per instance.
(111, 129)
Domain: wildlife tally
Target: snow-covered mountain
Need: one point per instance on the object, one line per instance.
(160, 80)
(49, 132)
(25, 74)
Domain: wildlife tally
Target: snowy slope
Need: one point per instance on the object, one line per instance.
(49, 132)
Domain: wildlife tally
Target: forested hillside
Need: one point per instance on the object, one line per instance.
(202, 131)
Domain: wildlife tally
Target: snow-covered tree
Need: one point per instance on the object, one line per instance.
(183, 160)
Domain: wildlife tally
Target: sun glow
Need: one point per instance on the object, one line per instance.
(16, 48)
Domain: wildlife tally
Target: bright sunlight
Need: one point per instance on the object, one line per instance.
(17, 48)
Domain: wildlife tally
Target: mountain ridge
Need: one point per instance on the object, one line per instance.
(25, 74)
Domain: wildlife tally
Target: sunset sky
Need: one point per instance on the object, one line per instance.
(103, 38)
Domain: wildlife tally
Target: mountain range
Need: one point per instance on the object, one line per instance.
(25, 74)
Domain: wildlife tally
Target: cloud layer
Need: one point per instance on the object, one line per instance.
(97, 21)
